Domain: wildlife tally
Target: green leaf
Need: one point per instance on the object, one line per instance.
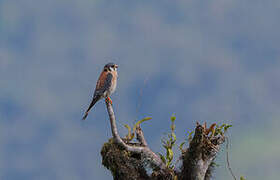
(129, 136)
(162, 158)
(173, 118)
(190, 136)
(168, 164)
(218, 130)
(226, 127)
(242, 178)
(168, 143)
(214, 164)
(128, 128)
(181, 146)
(170, 154)
(140, 121)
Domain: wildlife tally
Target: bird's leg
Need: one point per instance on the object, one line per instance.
(109, 100)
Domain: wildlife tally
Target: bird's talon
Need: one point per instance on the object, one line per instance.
(108, 99)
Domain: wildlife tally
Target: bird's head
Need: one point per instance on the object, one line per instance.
(111, 67)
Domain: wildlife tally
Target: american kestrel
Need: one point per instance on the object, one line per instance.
(105, 85)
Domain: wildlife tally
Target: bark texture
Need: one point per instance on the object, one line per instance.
(198, 158)
(136, 161)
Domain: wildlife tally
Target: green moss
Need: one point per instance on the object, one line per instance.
(121, 163)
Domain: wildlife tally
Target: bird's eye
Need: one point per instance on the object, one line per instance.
(113, 67)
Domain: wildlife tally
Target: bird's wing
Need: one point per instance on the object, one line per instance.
(108, 82)
(105, 85)
(102, 86)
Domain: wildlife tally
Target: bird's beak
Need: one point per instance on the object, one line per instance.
(116, 66)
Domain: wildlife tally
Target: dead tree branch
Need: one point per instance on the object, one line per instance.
(137, 161)
(144, 150)
(200, 154)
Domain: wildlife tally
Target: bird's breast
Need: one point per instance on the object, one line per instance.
(114, 82)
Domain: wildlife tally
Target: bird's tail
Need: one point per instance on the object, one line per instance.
(94, 100)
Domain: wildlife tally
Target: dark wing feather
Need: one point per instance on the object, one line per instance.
(108, 82)
(106, 86)
(99, 92)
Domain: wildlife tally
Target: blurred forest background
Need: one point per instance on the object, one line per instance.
(213, 61)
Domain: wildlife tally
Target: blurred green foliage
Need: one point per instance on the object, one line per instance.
(168, 144)
(130, 134)
(222, 129)
(189, 136)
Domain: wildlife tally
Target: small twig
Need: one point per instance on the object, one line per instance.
(227, 157)
(115, 131)
(140, 136)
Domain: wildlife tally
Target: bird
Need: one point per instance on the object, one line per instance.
(105, 86)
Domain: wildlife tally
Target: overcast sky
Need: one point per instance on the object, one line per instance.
(214, 61)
